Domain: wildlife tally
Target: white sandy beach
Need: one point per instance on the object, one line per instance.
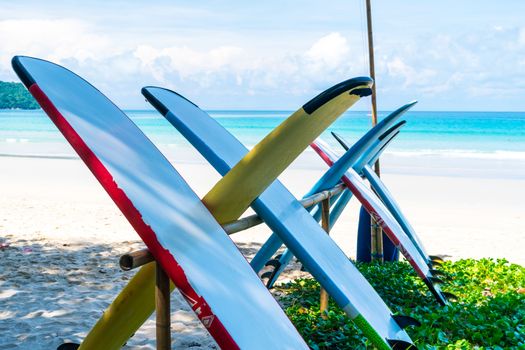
(62, 235)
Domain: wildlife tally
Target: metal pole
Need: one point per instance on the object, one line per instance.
(325, 223)
(376, 234)
(162, 304)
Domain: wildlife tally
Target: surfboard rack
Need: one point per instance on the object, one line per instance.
(135, 259)
(142, 257)
(132, 260)
(138, 258)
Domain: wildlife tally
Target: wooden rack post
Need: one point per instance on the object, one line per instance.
(376, 234)
(325, 223)
(162, 307)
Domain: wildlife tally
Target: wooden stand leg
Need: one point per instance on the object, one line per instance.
(162, 304)
(376, 241)
(325, 223)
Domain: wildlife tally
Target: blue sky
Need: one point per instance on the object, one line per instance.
(449, 55)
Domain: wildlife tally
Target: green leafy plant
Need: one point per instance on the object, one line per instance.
(489, 312)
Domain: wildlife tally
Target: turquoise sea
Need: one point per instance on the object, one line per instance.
(497, 135)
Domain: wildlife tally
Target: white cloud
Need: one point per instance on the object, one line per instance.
(478, 66)
(426, 64)
(411, 76)
(54, 39)
(521, 39)
(329, 51)
(186, 61)
(326, 60)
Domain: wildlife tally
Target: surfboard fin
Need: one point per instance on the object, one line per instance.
(432, 264)
(68, 346)
(406, 321)
(341, 141)
(440, 274)
(436, 280)
(266, 274)
(435, 290)
(273, 262)
(436, 258)
(400, 344)
(450, 296)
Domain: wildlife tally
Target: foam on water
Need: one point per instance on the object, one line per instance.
(463, 135)
(458, 153)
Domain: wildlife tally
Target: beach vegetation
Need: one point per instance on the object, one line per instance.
(489, 312)
(15, 96)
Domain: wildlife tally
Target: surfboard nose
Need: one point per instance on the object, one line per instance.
(360, 86)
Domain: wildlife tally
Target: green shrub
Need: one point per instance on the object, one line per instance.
(489, 312)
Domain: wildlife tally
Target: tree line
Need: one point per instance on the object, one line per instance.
(15, 96)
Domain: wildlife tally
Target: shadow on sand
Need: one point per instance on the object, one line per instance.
(52, 293)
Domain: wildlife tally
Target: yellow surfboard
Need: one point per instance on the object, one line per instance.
(229, 198)
(232, 195)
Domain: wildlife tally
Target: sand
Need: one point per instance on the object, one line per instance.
(61, 236)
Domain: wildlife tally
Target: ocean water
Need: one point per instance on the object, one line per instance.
(478, 135)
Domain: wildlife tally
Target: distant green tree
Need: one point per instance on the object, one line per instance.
(15, 95)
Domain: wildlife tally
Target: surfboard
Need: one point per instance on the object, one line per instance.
(286, 216)
(267, 160)
(384, 218)
(367, 146)
(262, 258)
(280, 262)
(387, 198)
(350, 157)
(304, 124)
(183, 236)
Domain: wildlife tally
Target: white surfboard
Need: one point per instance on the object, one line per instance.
(185, 239)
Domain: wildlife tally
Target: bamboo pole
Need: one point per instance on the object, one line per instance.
(325, 223)
(141, 257)
(162, 305)
(253, 220)
(135, 259)
(242, 224)
(319, 197)
(376, 234)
